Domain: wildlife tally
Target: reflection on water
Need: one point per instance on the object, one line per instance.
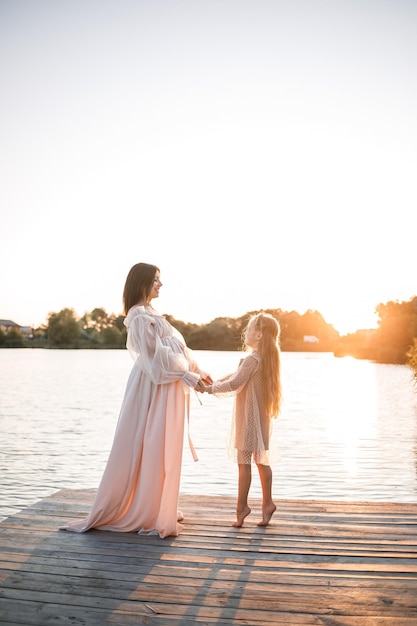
(347, 429)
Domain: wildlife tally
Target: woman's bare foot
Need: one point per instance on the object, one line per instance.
(267, 513)
(240, 516)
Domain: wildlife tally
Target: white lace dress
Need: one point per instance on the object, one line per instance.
(251, 433)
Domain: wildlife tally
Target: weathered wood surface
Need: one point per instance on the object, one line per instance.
(319, 562)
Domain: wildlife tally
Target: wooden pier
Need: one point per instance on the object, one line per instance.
(319, 562)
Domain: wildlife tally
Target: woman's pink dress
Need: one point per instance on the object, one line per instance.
(140, 485)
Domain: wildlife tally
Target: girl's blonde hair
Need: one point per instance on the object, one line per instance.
(269, 350)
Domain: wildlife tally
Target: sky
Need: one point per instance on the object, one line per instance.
(261, 153)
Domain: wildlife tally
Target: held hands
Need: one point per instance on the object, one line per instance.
(200, 386)
(205, 380)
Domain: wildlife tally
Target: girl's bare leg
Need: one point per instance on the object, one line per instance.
(242, 508)
(268, 505)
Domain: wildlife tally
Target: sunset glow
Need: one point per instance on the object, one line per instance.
(261, 153)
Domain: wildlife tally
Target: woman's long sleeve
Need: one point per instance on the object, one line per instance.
(160, 362)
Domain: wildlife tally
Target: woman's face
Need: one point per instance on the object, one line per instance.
(155, 286)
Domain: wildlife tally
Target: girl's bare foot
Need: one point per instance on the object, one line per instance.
(267, 513)
(240, 516)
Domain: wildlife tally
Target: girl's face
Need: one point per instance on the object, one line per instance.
(252, 335)
(155, 286)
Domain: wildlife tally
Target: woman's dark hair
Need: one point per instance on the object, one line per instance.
(138, 284)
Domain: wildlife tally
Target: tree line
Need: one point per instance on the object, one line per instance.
(394, 341)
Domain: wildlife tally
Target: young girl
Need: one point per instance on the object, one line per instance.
(257, 388)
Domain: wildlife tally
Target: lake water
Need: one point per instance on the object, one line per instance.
(347, 431)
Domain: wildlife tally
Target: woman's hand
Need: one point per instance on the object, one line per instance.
(200, 386)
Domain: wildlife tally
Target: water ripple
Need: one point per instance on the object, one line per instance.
(348, 429)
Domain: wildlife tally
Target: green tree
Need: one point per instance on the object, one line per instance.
(100, 319)
(102, 328)
(14, 339)
(412, 359)
(63, 328)
(119, 322)
(223, 333)
(397, 328)
(113, 337)
(97, 319)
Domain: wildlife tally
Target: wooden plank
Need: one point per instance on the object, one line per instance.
(395, 546)
(319, 562)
